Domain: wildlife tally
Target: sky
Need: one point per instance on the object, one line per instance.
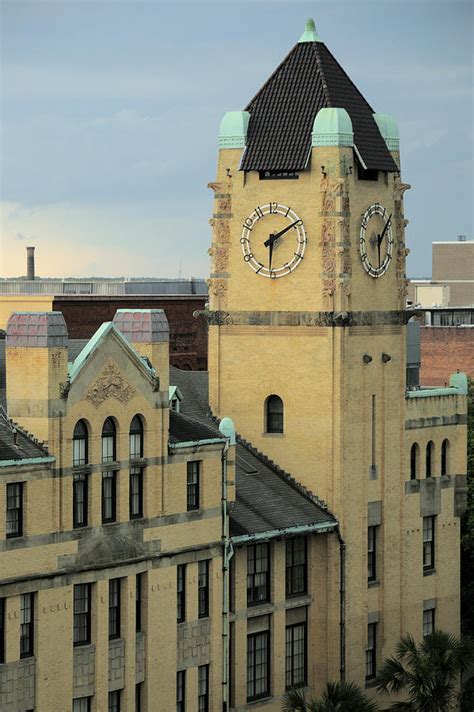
(110, 112)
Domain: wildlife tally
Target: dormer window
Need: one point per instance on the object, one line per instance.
(175, 398)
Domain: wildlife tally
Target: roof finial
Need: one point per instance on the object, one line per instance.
(309, 34)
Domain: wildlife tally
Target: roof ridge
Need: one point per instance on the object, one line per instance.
(282, 474)
(345, 74)
(322, 73)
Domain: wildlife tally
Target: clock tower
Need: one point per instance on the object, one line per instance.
(307, 320)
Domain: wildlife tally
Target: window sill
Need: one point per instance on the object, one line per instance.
(273, 435)
(85, 469)
(371, 682)
(259, 609)
(429, 572)
(263, 700)
(373, 584)
(81, 643)
(112, 465)
(300, 599)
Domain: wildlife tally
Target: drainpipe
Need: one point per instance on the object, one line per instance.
(342, 607)
(227, 553)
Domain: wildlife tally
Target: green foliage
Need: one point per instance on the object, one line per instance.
(467, 525)
(427, 673)
(338, 697)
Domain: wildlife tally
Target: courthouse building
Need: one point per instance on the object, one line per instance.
(152, 559)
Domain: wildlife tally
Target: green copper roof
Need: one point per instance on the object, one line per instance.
(332, 127)
(309, 34)
(389, 131)
(233, 129)
(459, 380)
(227, 428)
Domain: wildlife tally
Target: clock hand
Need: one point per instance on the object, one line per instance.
(381, 237)
(270, 256)
(378, 247)
(272, 238)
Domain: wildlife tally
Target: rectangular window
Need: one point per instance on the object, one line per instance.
(428, 543)
(114, 608)
(371, 652)
(82, 614)
(258, 665)
(428, 621)
(181, 592)
(108, 448)
(192, 493)
(203, 688)
(296, 567)
(295, 655)
(109, 496)
(79, 499)
(135, 446)
(139, 697)
(14, 518)
(27, 620)
(181, 691)
(2, 629)
(138, 602)
(114, 701)
(79, 453)
(258, 574)
(372, 554)
(136, 492)
(81, 704)
(203, 589)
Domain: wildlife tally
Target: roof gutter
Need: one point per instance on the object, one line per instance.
(196, 443)
(27, 461)
(320, 528)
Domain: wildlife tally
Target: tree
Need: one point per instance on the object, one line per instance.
(338, 697)
(467, 524)
(428, 672)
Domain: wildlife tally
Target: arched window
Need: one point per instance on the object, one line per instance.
(429, 459)
(108, 441)
(444, 458)
(136, 438)
(414, 461)
(80, 444)
(274, 414)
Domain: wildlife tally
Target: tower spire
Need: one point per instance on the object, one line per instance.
(309, 34)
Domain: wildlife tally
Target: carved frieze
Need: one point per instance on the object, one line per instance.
(110, 384)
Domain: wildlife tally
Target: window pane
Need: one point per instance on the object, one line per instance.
(26, 625)
(136, 492)
(181, 592)
(296, 572)
(192, 493)
(203, 688)
(296, 655)
(82, 614)
(258, 574)
(257, 665)
(108, 496)
(114, 701)
(80, 496)
(114, 608)
(14, 512)
(203, 589)
(181, 691)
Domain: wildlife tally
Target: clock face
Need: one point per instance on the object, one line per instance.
(273, 240)
(376, 240)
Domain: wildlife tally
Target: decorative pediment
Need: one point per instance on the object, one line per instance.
(110, 384)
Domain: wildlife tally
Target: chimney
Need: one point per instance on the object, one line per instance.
(461, 238)
(30, 262)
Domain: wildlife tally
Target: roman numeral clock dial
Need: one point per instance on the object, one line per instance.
(273, 240)
(376, 240)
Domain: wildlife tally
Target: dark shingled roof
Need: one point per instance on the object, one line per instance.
(24, 448)
(185, 429)
(283, 111)
(267, 497)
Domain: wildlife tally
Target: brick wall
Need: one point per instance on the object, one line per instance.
(188, 335)
(443, 350)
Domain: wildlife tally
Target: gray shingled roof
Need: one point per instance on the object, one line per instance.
(15, 444)
(283, 111)
(268, 498)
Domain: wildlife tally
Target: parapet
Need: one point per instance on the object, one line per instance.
(145, 326)
(36, 329)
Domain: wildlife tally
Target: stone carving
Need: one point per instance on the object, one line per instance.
(110, 384)
(64, 389)
(328, 232)
(329, 287)
(217, 287)
(216, 187)
(337, 186)
(224, 205)
(329, 204)
(399, 188)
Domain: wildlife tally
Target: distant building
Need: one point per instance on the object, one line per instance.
(452, 282)
(86, 304)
